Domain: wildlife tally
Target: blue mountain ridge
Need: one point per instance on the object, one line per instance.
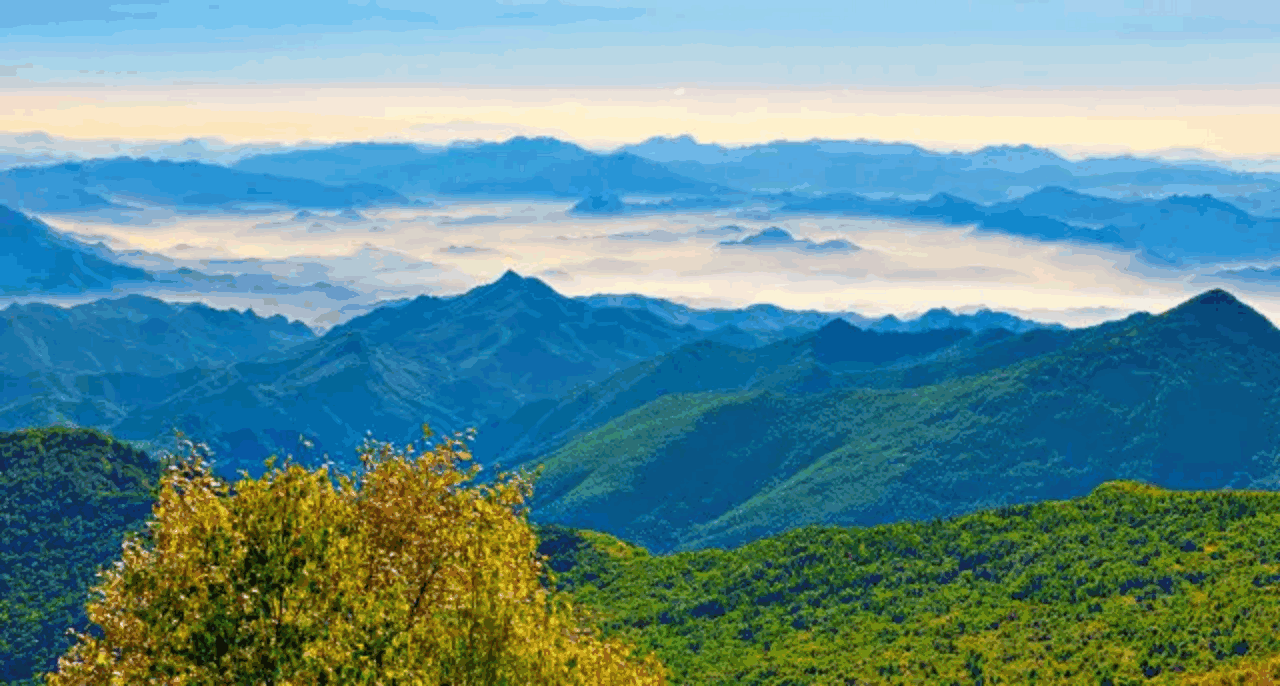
(1174, 230)
(37, 259)
(101, 183)
(452, 361)
(517, 167)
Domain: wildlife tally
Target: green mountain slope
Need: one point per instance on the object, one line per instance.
(136, 334)
(1130, 584)
(838, 355)
(452, 362)
(1184, 399)
(66, 499)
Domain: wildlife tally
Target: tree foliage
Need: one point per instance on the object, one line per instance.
(1130, 585)
(67, 497)
(404, 572)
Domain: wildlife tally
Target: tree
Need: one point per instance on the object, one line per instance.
(404, 572)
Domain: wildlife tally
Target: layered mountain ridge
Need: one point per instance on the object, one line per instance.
(1180, 399)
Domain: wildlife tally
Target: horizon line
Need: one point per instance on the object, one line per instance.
(1068, 152)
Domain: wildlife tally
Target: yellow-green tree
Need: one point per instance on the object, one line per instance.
(406, 573)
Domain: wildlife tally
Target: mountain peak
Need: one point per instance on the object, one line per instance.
(1215, 298)
(509, 278)
(1218, 312)
(512, 283)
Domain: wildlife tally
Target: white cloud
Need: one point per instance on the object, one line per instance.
(901, 267)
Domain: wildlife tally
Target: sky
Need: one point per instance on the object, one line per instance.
(1195, 77)
(1073, 75)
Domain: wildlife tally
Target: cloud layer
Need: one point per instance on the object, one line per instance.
(898, 268)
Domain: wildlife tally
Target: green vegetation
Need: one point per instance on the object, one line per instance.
(1184, 400)
(1130, 584)
(67, 497)
(301, 576)
(403, 573)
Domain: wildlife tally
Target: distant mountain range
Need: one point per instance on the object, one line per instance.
(352, 174)
(252, 386)
(518, 167)
(1198, 212)
(546, 166)
(987, 175)
(1175, 230)
(770, 323)
(1181, 399)
(120, 182)
(40, 148)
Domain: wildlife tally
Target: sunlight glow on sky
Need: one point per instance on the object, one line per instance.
(1077, 76)
(1107, 75)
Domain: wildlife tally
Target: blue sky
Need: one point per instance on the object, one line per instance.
(651, 42)
(109, 57)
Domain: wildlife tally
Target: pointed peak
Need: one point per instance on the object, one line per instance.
(509, 278)
(511, 282)
(1216, 297)
(1220, 311)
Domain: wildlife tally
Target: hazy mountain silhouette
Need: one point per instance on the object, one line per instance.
(774, 237)
(519, 166)
(770, 323)
(343, 163)
(607, 203)
(903, 169)
(36, 259)
(1178, 229)
(1009, 219)
(179, 184)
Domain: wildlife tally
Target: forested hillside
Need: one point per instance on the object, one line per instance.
(1184, 399)
(67, 497)
(1129, 585)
